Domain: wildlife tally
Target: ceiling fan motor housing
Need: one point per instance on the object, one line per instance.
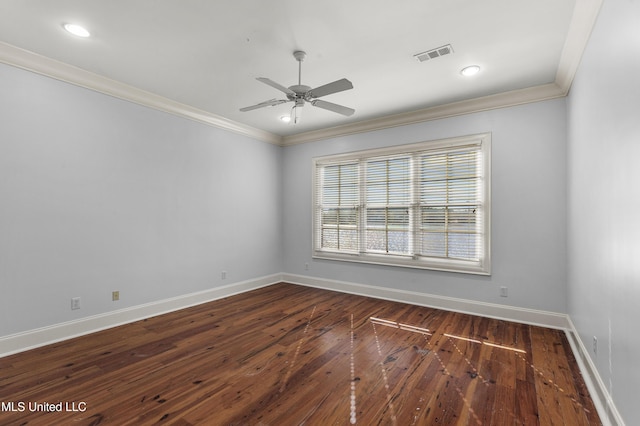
(300, 90)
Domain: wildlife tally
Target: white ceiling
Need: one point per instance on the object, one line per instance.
(203, 56)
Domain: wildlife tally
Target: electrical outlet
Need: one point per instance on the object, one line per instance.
(223, 275)
(504, 292)
(595, 345)
(115, 295)
(306, 266)
(75, 303)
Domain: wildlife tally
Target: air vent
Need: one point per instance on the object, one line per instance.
(434, 53)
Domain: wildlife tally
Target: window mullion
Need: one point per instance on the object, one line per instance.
(386, 209)
(446, 206)
(339, 209)
(362, 207)
(414, 205)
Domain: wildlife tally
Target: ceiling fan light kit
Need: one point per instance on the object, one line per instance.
(299, 94)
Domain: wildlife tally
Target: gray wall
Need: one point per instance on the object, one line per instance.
(98, 194)
(604, 201)
(528, 208)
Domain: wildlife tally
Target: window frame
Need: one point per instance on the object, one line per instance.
(480, 267)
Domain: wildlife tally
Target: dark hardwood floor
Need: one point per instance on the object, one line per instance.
(291, 355)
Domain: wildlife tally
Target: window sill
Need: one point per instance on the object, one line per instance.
(445, 265)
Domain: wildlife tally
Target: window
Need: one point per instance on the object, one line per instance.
(424, 205)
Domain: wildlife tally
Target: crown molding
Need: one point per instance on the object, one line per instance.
(500, 100)
(583, 20)
(30, 61)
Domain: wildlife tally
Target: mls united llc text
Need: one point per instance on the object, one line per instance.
(50, 407)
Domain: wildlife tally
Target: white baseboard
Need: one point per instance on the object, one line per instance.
(607, 411)
(20, 342)
(491, 310)
(57, 332)
(609, 415)
(604, 405)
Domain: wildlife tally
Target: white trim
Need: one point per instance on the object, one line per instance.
(605, 406)
(583, 20)
(481, 143)
(490, 310)
(67, 330)
(485, 103)
(31, 339)
(607, 411)
(30, 61)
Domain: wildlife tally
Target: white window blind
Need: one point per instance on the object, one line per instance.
(424, 205)
(339, 209)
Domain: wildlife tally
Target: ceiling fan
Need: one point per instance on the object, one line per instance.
(299, 94)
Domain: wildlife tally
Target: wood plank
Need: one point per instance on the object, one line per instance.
(288, 354)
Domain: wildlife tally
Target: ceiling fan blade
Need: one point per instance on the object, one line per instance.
(333, 107)
(276, 86)
(327, 89)
(268, 103)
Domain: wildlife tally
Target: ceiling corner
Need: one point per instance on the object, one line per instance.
(582, 23)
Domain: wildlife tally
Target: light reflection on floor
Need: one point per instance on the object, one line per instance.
(428, 349)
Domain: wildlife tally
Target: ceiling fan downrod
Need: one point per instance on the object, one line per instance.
(299, 55)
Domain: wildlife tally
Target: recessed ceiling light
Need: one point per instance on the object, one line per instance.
(77, 30)
(285, 118)
(470, 70)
